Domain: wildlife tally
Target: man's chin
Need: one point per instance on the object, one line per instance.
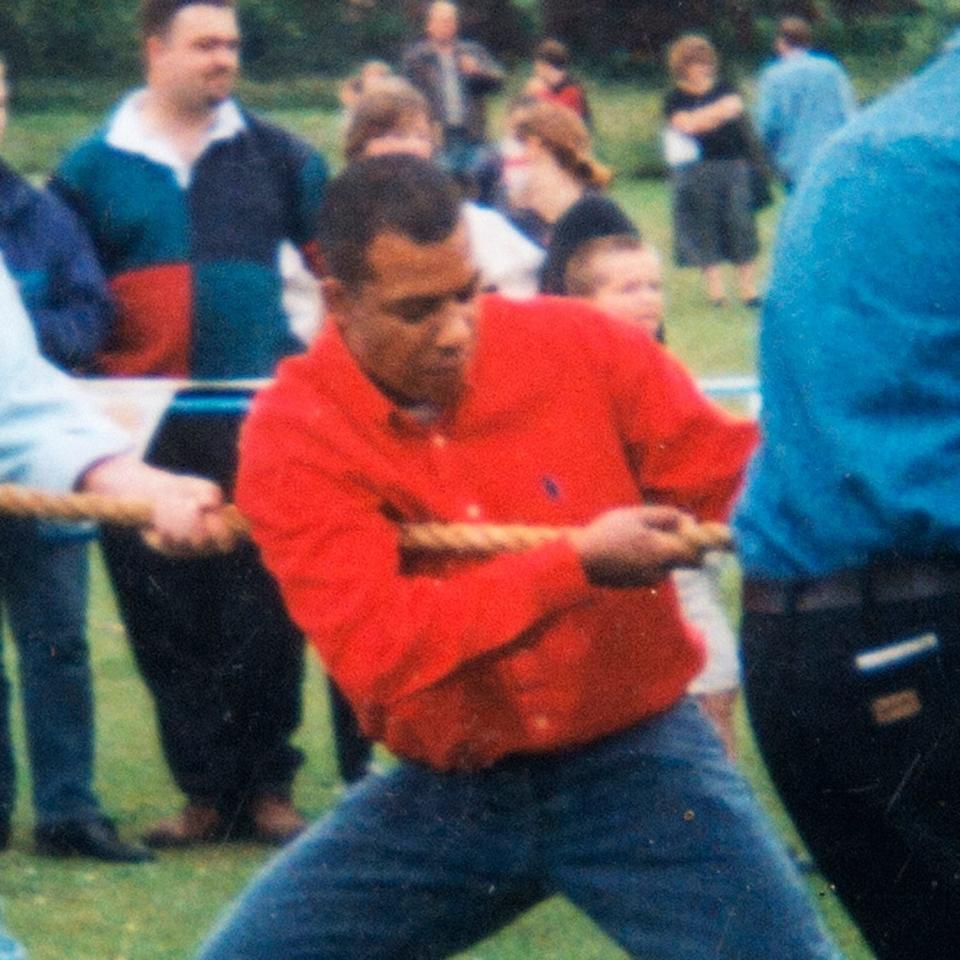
(214, 100)
(443, 389)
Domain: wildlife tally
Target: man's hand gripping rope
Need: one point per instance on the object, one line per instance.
(624, 547)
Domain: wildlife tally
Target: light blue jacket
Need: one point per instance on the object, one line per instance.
(49, 432)
(859, 351)
(803, 98)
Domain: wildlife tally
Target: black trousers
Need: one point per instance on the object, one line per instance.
(212, 640)
(857, 714)
(354, 751)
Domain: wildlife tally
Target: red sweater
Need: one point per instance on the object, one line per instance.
(458, 664)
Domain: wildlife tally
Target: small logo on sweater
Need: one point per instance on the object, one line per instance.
(550, 487)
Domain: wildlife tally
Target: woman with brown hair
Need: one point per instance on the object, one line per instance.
(713, 217)
(549, 168)
(395, 118)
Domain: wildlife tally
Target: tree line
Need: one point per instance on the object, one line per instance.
(72, 38)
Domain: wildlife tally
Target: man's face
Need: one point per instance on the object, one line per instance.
(630, 287)
(442, 22)
(3, 105)
(196, 62)
(412, 325)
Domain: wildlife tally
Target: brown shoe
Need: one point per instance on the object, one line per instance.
(274, 820)
(196, 823)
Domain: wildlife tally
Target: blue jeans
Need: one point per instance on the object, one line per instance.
(651, 832)
(44, 586)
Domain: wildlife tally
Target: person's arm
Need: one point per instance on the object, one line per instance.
(48, 432)
(52, 438)
(480, 71)
(768, 115)
(386, 634)
(74, 320)
(186, 515)
(710, 117)
(684, 449)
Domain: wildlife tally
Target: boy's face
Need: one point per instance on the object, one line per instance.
(630, 286)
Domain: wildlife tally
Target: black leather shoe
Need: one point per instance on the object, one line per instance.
(95, 838)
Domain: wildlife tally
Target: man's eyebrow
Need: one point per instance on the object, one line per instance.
(415, 304)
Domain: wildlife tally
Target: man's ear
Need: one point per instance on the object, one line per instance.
(153, 46)
(337, 299)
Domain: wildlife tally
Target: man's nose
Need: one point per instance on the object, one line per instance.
(456, 326)
(227, 55)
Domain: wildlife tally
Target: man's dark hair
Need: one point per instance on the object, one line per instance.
(796, 32)
(395, 193)
(155, 16)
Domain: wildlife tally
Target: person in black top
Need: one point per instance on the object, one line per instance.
(708, 148)
(548, 168)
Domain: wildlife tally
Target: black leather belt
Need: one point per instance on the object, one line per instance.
(889, 583)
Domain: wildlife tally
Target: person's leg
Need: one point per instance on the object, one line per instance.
(713, 284)
(164, 606)
(47, 604)
(218, 653)
(694, 226)
(658, 838)
(8, 768)
(353, 749)
(739, 241)
(411, 864)
(747, 283)
(261, 678)
(47, 600)
(865, 754)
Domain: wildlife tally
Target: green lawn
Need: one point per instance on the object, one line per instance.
(85, 911)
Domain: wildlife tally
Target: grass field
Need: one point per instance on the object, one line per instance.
(82, 910)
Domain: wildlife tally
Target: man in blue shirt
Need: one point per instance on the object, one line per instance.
(803, 98)
(849, 527)
(44, 567)
(51, 438)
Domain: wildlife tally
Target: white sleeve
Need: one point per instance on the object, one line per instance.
(700, 601)
(508, 262)
(49, 432)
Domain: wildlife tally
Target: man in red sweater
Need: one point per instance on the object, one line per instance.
(535, 700)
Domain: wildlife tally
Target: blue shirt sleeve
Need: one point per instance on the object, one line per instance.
(49, 432)
(74, 316)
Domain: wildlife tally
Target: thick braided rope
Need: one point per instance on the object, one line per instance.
(18, 501)
(462, 539)
(479, 539)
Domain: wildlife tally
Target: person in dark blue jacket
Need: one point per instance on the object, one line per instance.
(43, 567)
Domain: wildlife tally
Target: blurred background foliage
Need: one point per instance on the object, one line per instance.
(71, 59)
(62, 40)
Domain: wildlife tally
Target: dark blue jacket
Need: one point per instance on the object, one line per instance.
(60, 280)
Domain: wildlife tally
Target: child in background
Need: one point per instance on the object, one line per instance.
(552, 80)
(622, 275)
